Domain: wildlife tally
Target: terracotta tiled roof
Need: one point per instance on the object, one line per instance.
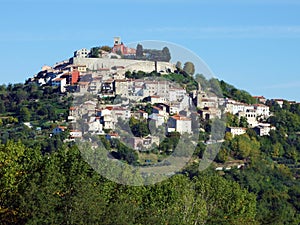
(178, 117)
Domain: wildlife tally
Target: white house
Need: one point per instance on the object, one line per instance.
(61, 83)
(279, 102)
(107, 119)
(234, 108)
(108, 122)
(236, 130)
(263, 129)
(82, 53)
(180, 124)
(251, 117)
(75, 134)
(120, 112)
(95, 126)
(155, 99)
(262, 110)
(104, 112)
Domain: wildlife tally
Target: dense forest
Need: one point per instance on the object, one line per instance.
(44, 180)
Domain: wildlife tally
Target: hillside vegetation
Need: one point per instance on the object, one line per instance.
(44, 180)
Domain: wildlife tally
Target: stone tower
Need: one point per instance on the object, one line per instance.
(117, 40)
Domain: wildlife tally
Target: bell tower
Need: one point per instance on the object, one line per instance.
(117, 40)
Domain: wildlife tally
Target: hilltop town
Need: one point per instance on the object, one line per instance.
(109, 109)
(112, 85)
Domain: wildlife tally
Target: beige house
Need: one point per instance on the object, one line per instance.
(210, 113)
(121, 87)
(83, 87)
(158, 88)
(82, 68)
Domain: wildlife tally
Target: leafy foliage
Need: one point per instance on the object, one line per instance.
(189, 68)
(46, 181)
(230, 91)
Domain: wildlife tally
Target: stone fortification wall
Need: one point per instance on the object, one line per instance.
(130, 65)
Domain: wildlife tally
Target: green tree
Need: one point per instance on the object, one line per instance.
(166, 54)
(139, 51)
(189, 68)
(243, 122)
(139, 128)
(179, 65)
(277, 150)
(200, 78)
(214, 85)
(2, 107)
(24, 114)
(106, 48)
(232, 120)
(94, 52)
(244, 147)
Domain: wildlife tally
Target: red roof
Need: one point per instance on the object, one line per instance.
(178, 117)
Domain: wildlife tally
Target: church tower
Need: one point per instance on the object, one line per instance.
(117, 40)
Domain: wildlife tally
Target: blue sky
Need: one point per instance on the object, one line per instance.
(253, 44)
